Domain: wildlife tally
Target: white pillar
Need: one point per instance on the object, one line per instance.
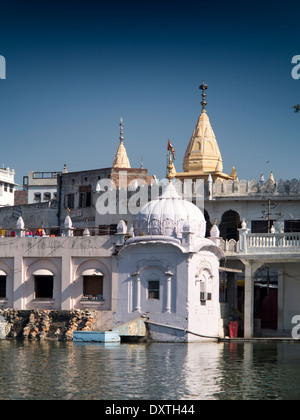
(19, 287)
(66, 283)
(137, 292)
(169, 291)
(249, 301)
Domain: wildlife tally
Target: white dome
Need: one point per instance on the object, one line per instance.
(167, 215)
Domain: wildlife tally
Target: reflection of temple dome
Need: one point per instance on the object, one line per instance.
(168, 215)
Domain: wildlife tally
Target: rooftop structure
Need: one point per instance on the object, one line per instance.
(203, 157)
(7, 187)
(41, 186)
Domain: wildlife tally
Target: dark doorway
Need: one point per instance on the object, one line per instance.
(208, 224)
(230, 224)
(266, 297)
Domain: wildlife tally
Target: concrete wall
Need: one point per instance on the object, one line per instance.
(65, 258)
(34, 215)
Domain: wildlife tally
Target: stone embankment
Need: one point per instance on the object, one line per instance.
(44, 324)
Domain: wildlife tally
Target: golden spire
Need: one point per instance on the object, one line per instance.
(203, 154)
(272, 178)
(121, 159)
(203, 157)
(233, 174)
(171, 168)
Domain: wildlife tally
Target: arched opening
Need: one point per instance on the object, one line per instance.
(43, 284)
(3, 287)
(92, 285)
(229, 226)
(208, 224)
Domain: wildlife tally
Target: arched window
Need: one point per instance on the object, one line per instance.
(230, 224)
(93, 284)
(43, 284)
(208, 224)
(2, 284)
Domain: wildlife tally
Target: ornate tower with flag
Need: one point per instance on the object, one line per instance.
(203, 157)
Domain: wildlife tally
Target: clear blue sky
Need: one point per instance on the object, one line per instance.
(75, 67)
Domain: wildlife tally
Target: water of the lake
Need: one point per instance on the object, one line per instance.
(60, 371)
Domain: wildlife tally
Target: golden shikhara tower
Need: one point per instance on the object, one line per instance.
(203, 157)
(121, 159)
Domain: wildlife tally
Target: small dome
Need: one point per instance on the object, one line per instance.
(20, 223)
(167, 215)
(68, 222)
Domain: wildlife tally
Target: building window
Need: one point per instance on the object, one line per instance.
(47, 196)
(153, 289)
(261, 226)
(85, 196)
(81, 200)
(43, 287)
(203, 295)
(2, 286)
(69, 201)
(291, 226)
(93, 287)
(37, 197)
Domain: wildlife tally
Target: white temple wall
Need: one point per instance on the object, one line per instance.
(291, 293)
(139, 264)
(254, 210)
(65, 258)
(203, 296)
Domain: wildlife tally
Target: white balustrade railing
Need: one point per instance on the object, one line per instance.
(273, 240)
(266, 242)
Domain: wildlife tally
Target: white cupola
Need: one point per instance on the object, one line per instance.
(167, 216)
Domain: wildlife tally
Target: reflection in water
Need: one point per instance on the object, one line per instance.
(53, 370)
